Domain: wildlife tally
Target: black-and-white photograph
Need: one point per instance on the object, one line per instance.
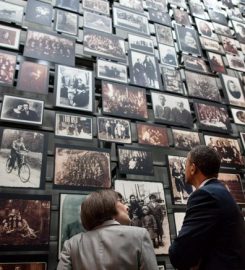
(22, 158)
(233, 91)
(74, 88)
(136, 5)
(157, 5)
(202, 86)
(144, 70)
(130, 21)
(222, 30)
(147, 208)
(124, 100)
(39, 12)
(242, 135)
(227, 148)
(164, 34)
(22, 110)
(227, 3)
(212, 117)
(24, 265)
(216, 62)
(11, 12)
(25, 221)
(98, 6)
(168, 55)
(195, 64)
(197, 10)
(236, 62)
(33, 77)
(217, 16)
(178, 3)
(211, 45)
(97, 22)
(180, 189)
(181, 17)
(141, 44)
(66, 22)
(73, 126)
(185, 139)
(206, 29)
(114, 130)
(178, 220)
(161, 267)
(137, 161)
(238, 116)
(50, 47)
(187, 40)
(7, 67)
(103, 44)
(171, 109)
(235, 14)
(159, 16)
(112, 71)
(9, 37)
(172, 80)
(68, 4)
(212, 4)
(81, 167)
(229, 45)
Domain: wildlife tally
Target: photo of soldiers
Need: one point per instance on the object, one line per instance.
(195, 64)
(137, 5)
(235, 62)
(185, 140)
(164, 34)
(159, 17)
(97, 6)
(141, 44)
(7, 67)
(172, 80)
(97, 22)
(66, 22)
(9, 37)
(181, 17)
(11, 12)
(68, 4)
(216, 62)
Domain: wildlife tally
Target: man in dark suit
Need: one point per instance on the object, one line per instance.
(212, 236)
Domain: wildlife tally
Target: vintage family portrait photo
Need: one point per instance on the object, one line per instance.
(168, 55)
(97, 6)
(7, 67)
(238, 116)
(70, 5)
(159, 16)
(141, 44)
(185, 139)
(164, 34)
(195, 64)
(172, 81)
(66, 22)
(216, 62)
(97, 22)
(11, 12)
(9, 37)
(24, 266)
(136, 5)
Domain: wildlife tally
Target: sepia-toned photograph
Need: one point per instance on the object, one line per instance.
(9, 37)
(179, 188)
(216, 62)
(147, 208)
(98, 6)
(222, 30)
(137, 161)
(238, 116)
(141, 44)
(25, 221)
(39, 12)
(103, 44)
(70, 5)
(22, 110)
(81, 167)
(153, 135)
(112, 71)
(7, 67)
(159, 16)
(236, 62)
(114, 130)
(229, 45)
(202, 86)
(22, 158)
(164, 34)
(171, 109)
(66, 22)
(217, 17)
(185, 140)
(195, 64)
(144, 70)
(181, 17)
(211, 45)
(50, 47)
(97, 22)
(23, 266)
(124, 100)
(33, 77)
(136, 5)
(74, 88)
(168, 55)
(73, 126)
(157, 5)
(239, 30)
(178, 220)
(206, 28)
(172, 81)
(11, 12)
(197, 10)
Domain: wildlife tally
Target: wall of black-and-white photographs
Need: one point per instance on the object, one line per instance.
(113, 94)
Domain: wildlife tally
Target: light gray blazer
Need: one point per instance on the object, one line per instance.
(110, 246)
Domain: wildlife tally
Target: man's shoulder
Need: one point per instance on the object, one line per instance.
(131, 230)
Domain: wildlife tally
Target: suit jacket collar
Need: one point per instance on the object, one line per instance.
(211, 180)
(107, 223)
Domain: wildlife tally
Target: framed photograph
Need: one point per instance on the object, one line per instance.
(144, 70)
(32, 213)
(70, 5)
(147, 206)
(9, 37)
(39, 12)
(235, 14)
(212, 117)
(66, 22)
(97, 22)
(22, 110)
(185, 139)
(73, 126)
(11, 12)
(33, 77)
(229, 45)
(172, 81)
(157, 5)
(178, 221)
(238, 116)
(112, 71)
(164, 34)
(236, 62)
(233, 90)
(187, 40)
(181, 17)
(239, 30)
(136, 5)
(222, 30)
(197, 10)
(130, 21)
(202, 86)
(174, 110)
(141, 44)
(227, 148)
(77, 167)
(23, 158)
(69, 217)
(227, 3)
(98, 6)
(233, 183)
(137, 161)
(96, 43)
(49, 51)
(114, 130)
(217, 16)
(216, 62)
(159, 16)
(24, 265)
(153, 135)
(7, 67)
(195, 64)
(179, 188)
(211, 45)
(124, 101)
(206, 29)
(178, 3)
(242, 135)
(74, 88)
(168, 55)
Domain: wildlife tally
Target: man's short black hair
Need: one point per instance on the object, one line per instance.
(152, 196)
(206, 159)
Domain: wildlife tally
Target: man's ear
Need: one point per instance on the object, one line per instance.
(193, 168)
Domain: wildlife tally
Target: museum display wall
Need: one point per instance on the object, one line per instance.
(113, 94)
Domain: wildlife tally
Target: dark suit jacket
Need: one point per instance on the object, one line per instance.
(213, 232)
